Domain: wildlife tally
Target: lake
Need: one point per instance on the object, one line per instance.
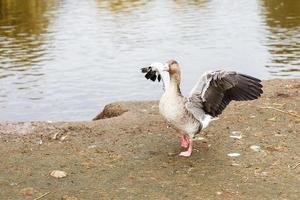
(66, 59)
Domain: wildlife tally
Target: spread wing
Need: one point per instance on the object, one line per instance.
(214, 91)
(155, 71)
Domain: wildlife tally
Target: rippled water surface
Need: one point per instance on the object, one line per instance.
(66, 59)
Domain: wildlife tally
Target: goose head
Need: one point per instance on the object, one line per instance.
(173, 68)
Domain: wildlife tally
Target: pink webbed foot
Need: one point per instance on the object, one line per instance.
(184, 141)
(189, 151)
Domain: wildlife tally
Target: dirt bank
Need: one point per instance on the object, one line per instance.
(131, 154)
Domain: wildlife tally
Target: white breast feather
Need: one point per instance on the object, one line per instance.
(169, 106)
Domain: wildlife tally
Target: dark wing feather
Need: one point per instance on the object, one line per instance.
(221, 87)
(151, 74)
(155, 71)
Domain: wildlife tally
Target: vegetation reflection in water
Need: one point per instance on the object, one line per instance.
(283, 20)
(23, 25)
(24, 41)
(54, 54)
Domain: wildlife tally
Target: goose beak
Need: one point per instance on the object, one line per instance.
(166, 68)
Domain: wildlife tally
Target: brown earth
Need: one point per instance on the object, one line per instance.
(131, 154)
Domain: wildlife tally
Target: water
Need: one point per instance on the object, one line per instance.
(64, 60)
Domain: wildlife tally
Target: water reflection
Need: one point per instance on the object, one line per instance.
(64, 60)
(282, 13)
(283, 20)
(117, 6)
(22, 41)
(198, 3)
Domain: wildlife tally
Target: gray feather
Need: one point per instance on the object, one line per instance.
(215, 90)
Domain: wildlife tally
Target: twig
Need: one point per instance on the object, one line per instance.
(282, 111)
(42, 196)
(296, 166)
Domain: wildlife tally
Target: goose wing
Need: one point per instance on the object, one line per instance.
(214, 91)
(155, 71)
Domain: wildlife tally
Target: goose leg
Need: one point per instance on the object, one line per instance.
(184, 141)
(189, 151)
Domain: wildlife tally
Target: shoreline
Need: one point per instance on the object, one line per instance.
(130, 152)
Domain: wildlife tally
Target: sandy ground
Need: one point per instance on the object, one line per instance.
(132, 154)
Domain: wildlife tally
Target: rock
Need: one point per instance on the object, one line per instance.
(58, 174)
(111, 110)
(255, 148)
(62, 138)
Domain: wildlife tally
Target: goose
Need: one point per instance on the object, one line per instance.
(206, 101)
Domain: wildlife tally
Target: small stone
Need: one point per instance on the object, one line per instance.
(199, 138)
(219, 193)
(255, 148)
(234, 154)
(62, 138)
(92, 146)
(58, 174)
(236, 135)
